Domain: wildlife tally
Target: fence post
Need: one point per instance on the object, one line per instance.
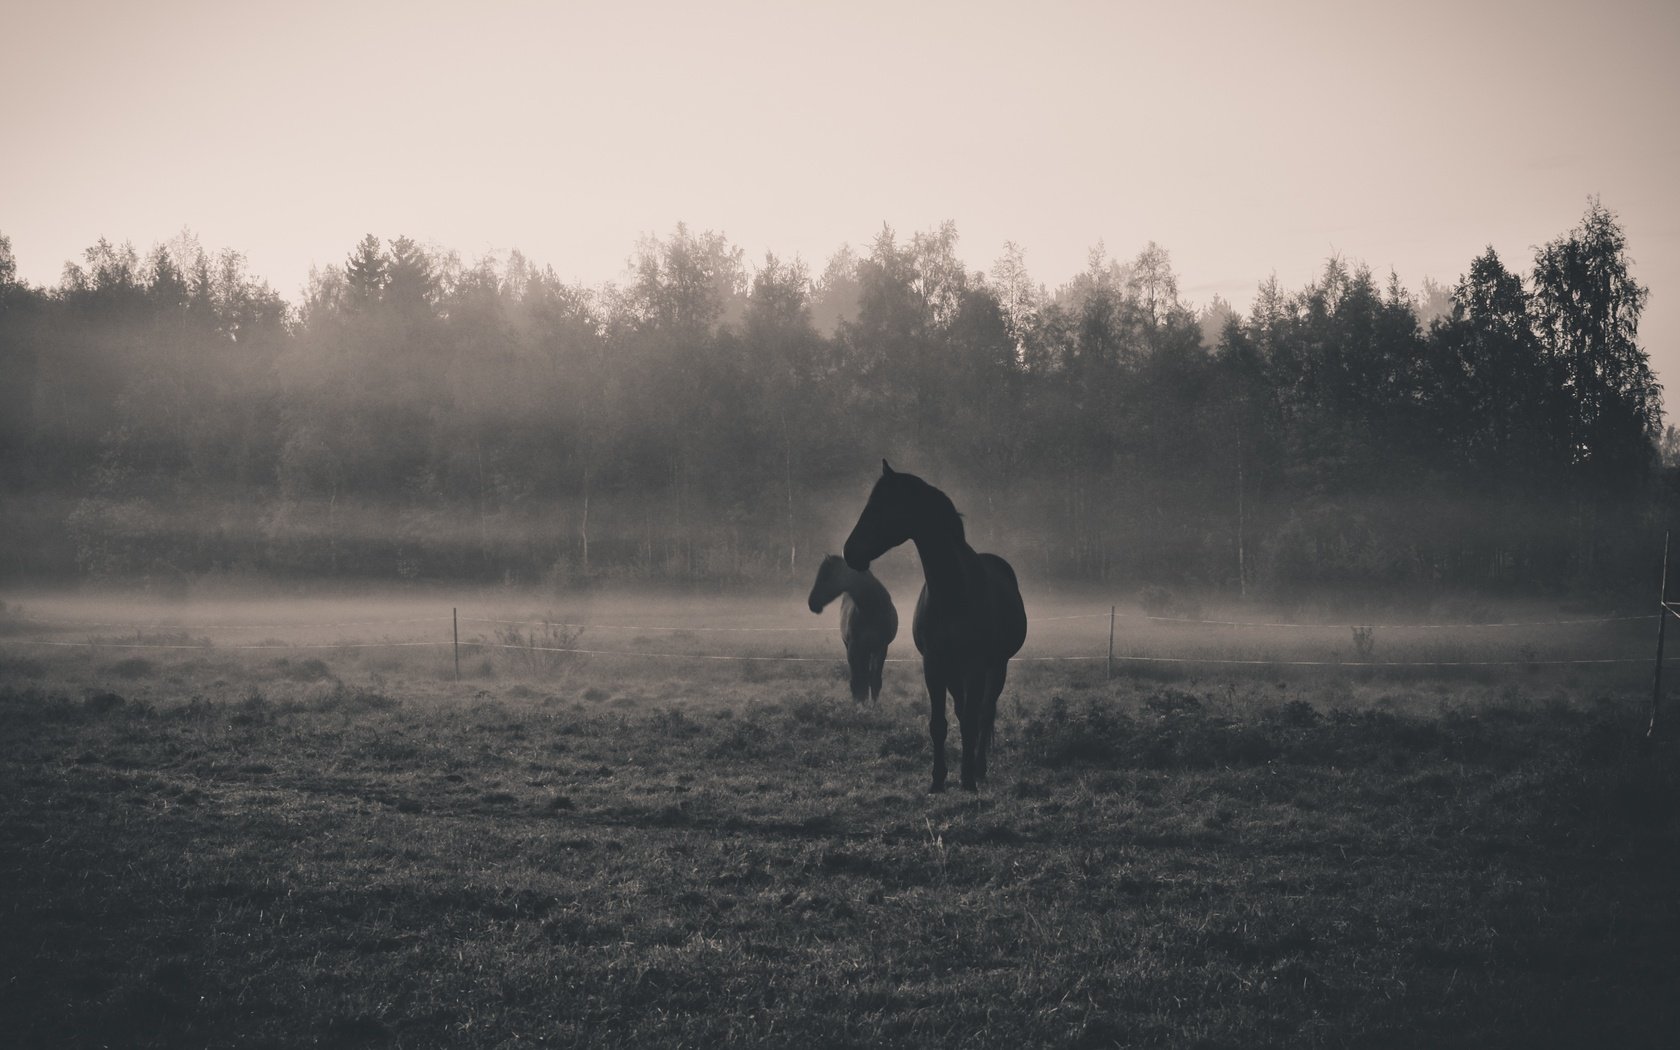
(1662, 624)
(455, 622)
(1110, 641)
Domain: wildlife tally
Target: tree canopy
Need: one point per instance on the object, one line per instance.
(169, 415)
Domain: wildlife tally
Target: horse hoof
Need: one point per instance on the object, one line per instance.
(937, 789)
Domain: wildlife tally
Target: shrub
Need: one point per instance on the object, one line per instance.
(1364, 642)
(1097, 733)
(537, 651)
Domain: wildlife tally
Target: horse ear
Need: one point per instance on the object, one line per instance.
(886, 468)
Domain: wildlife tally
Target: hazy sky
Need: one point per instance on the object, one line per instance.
(1246, 138)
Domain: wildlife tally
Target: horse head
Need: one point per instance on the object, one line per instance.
(830, 582)
(887, 519)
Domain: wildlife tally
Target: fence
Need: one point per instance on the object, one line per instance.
(1109, 618)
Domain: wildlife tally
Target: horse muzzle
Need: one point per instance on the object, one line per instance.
(856, 560)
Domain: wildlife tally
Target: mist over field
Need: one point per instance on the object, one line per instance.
(599, 632)
(171, 423)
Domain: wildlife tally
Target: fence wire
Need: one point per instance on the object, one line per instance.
(1117, 658)
(1100, 615)
(738, 657)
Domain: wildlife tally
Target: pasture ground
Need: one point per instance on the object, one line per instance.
(249, 849)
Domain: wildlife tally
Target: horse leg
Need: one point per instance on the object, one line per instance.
(858, 659)
(877, 662)
(988, 714)
(936, 722)
(968, 715)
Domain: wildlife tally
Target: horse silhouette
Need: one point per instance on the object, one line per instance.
(969, 619)
(868, 620)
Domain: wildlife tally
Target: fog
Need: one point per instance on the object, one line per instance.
(174, 428)
(770, 625)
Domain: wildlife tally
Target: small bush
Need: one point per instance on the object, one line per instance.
(817, 708)
(1297, 713)
(253, 709)
(1174, 703)
(540, 650)
(1094, 734)
(1364, 643)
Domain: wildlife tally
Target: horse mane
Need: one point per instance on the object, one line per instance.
(940, 507)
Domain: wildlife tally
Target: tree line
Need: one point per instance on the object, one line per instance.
(414, 416)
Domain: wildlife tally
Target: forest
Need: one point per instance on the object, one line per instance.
(168, 419)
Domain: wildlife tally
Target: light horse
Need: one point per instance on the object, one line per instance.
(969, 619)
(868, 620)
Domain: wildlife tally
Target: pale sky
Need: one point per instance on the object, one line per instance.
(1246, 138)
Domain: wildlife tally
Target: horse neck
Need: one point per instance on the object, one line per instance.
(835, 582)
(845, 580)
(856, 583)
(865, 589)
(942, 563)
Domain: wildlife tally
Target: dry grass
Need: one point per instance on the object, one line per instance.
(234, 848)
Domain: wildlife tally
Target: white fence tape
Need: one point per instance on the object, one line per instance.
(1345, 626)
(643, 626)
(229, 626)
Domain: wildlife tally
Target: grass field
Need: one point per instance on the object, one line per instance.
(225, 847)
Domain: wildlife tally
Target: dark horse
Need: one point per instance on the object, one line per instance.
(969, 620)
(868, 620)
